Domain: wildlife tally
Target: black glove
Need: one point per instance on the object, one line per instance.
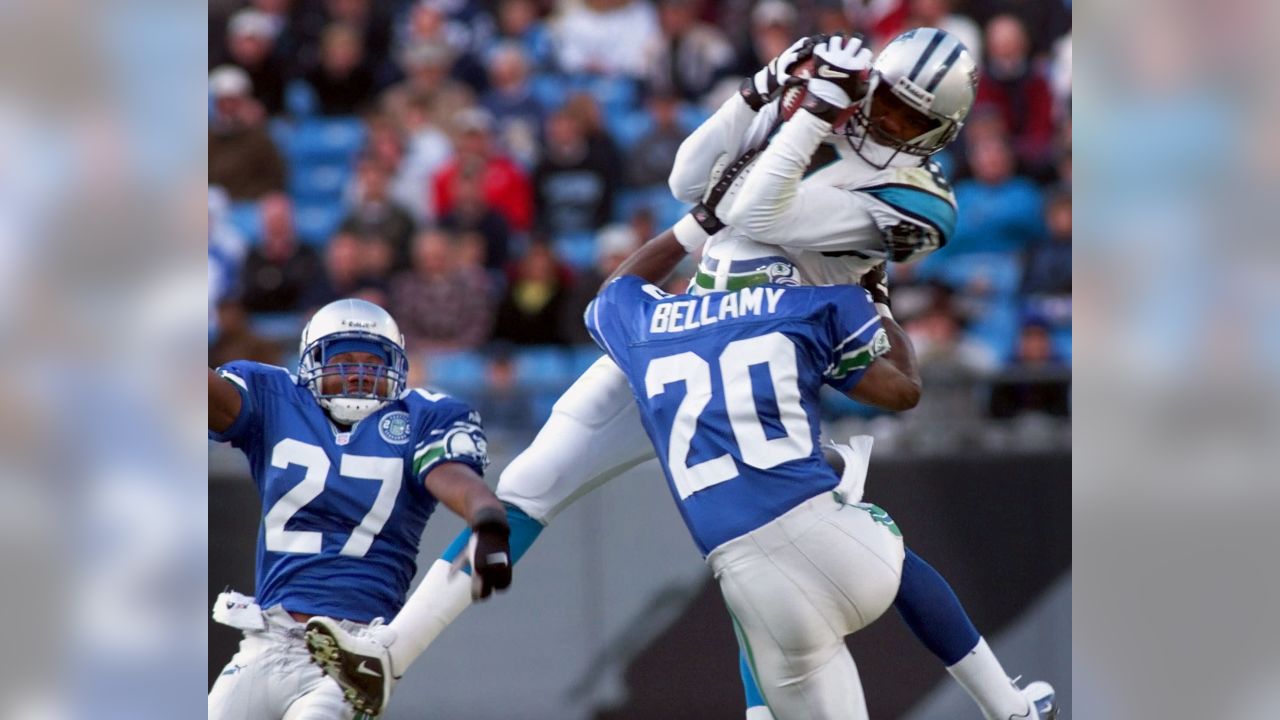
(490, 554)
(876, 282)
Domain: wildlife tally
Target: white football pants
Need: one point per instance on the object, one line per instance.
(796, 587)
(593, 435)
(272, 678)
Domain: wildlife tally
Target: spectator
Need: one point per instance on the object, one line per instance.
(941, 14)
(650, 160)
(374, 212)
(613, 245)
(344, 266)
(417, 148)
(999, 211)
(237, 341)
(372, 22)
(250, 40)
(442, 304)
(519, 21)
(342, 83)
(692, 55)
(573, 185)
(1038, 381)
(464, 26)
(607, 37)
(773, 29)
(585, 108)
(242, 157)
(426, 67)
(472, 214)
(1047, 270)
(506, 188)
(511, 102)
(280, 273)
(533, 306)
(942, 345)
(1011, 83)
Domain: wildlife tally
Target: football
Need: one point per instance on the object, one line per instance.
(794, 95)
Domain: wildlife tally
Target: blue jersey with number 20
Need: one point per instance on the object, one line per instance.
(342, 512)
(728, 384)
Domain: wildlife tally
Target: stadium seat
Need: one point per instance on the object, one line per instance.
(614, 94)
(455, 372)
(316, 222)
(1061, 339)
(1000, 272)
(247, 218)
(543, 368)
(627, 128)
(299, 99)
(326, 140)
(997, 328)
(583, 357)
(278, 327)
(549, 90)
(281, 131)
(577, 249)
(318, 182)
(690, 116)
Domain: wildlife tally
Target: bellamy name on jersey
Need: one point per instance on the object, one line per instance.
(343, 512)
(727, 385)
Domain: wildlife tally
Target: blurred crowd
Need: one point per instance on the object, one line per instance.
(479, 166)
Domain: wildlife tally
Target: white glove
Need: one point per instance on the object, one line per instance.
(777, 73)
(838, 74)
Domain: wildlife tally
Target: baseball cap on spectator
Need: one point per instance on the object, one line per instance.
(229, 81)
(616, 239)
(252, 22)
(774, 12)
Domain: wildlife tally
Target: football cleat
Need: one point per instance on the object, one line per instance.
(1040, 695)
(358, 661)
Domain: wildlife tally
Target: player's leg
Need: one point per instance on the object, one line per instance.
(795, 588)
(243, 690)
(934, 614)
(593, 435)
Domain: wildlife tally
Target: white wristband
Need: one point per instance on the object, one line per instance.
(883, 310)
(689, 233)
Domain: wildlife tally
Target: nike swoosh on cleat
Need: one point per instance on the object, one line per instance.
(366, 671)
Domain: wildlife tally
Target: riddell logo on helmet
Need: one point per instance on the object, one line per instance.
(913, 93)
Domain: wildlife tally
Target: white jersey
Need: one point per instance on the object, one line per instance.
(807, 205)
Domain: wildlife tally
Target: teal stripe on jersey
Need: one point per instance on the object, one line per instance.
(919, 204)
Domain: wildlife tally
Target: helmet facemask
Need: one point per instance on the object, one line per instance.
(351, 391)
(877, 145)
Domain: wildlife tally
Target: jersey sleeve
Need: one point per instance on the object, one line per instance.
(915, 210)
(612, 316)
(254, 381)
(858, 338)
(450, 432)
(718, 136)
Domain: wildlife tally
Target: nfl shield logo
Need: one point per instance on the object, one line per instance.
(394, 427)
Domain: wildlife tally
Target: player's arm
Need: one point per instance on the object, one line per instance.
(656, 259)
(892, 382)
(224, 403)
(723, 133)
(458, 487)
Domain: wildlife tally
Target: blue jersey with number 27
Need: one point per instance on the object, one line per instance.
(728, 384)
(342, 512)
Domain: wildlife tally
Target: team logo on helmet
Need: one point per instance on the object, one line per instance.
(394, 427)
(781, 273)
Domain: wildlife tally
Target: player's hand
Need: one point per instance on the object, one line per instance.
(489, 554)
(839, 71)
(777, 73)
(876, 282)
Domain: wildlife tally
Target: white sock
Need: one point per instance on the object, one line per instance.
(981, 675)
(437, 601)
(759, 712)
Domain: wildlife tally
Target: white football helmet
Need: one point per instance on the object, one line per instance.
(347, 326)
(930, 71)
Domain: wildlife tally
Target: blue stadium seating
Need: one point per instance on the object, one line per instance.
(577, 249)
(627, 128)
(317, 182)
(316, 222)
(1000, 272)
(549, 90)
(300, 99)
(543, 367)
(247, 218)
(455, 372)
(326, 140)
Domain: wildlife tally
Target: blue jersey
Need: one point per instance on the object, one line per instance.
(342, 512)
(728, 385)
